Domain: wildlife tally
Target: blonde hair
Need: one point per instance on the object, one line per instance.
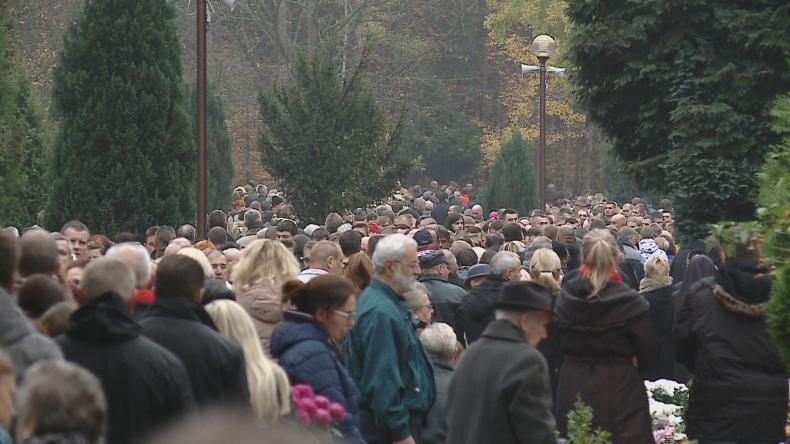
(656, 267)
(513, 247)
(270, 390)
(601, 255)
(545, 268)
(264, 260)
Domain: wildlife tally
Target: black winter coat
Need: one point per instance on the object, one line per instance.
(479, 306)
(739, 391)
(661, 315)
(214, 363)
(146, 386)
(602, 336)
(500, 392)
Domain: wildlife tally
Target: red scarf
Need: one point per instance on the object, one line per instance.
(613, 276)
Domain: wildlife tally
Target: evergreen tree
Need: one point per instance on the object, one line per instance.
(511, 181)
(443, 135)
(683, 91)
(124, 156)
(23, 154)
(327, 140)
(774, 182)
(219, 163)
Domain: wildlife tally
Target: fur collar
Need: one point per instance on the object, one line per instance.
(737, 306)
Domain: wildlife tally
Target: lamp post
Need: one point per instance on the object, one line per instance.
(201, 117)
(543, 47)
(202, 20)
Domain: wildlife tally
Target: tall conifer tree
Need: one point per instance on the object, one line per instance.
(219, 162)
(124, 156)
(511, 181)
(23, 148)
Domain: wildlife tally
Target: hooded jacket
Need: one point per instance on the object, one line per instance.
(215, 364)
(740, 382)
(479, 306)
(305, 352)
(146, 386)
(264, 304)
(604, 338)
(20, 340)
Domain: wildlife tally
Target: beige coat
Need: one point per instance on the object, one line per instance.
(263, 302)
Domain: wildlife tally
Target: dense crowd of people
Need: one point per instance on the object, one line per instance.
(424, 319)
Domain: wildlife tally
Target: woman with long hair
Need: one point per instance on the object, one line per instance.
(268, 383)
(656, 287)
(258, 278)
(607, 338)
(304, 342)
(359, 270)
(545, 267)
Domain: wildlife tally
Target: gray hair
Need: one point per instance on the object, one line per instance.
(413, 297)
(60, 397)
(253, 219)
(390, 249)
(504, 261)
(540, 242)
(135, 256)
(439, 340)
(107, 274)
(60, 237)
(450, 258)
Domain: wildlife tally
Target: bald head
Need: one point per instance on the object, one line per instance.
(619, 221)
(325, 254)
(108, 274)
(38, 253)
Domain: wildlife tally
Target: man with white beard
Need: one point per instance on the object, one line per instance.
(383, 353)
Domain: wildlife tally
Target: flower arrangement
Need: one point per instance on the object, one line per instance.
(317, 411)
(668, 401)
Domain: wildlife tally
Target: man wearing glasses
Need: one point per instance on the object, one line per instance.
(382, 351)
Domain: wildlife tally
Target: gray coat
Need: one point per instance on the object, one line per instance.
(435, 432)
(447, 300)
(20, 340)
(500, 392)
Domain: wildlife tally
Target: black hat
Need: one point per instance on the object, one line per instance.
(432, 259)
(423, 238)
(476, 271)
(276, 200)
(524, 296)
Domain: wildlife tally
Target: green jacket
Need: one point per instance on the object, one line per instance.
(385, 358)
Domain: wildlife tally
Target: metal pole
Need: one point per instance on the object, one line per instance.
(542, 147)
(201, 124)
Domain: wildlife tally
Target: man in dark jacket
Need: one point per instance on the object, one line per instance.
(18, 338)
(479, 303)
(500, 392)
(627, 239)
(145, 385)
(739, 392)
(179, 323)
(382, 351)
(447, 299)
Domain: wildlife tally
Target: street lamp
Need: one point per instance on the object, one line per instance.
(202, 19)
(543, 47)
